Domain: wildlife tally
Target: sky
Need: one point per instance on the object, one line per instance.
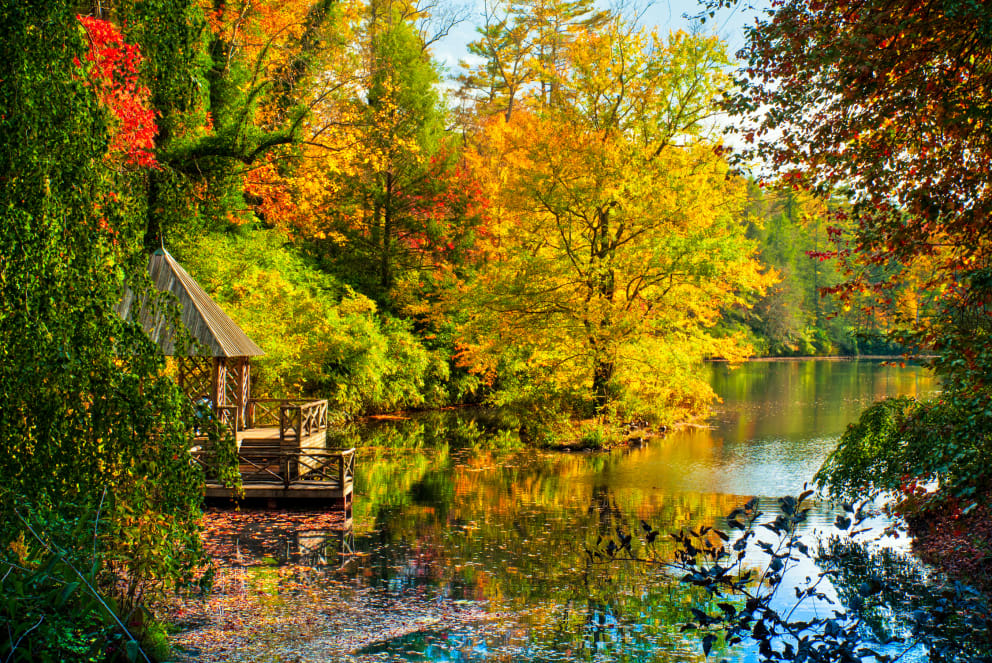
(665, 14)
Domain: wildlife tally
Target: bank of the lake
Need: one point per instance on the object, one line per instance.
(958, 544)
(466, 546)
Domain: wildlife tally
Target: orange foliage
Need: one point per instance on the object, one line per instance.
(260, 29)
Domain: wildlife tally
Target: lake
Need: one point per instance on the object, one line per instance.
(464, 546)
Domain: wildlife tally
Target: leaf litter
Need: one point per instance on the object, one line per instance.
(278, 596)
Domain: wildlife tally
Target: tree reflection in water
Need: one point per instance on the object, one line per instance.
(468, 547)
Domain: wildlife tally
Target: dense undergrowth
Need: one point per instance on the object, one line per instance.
(320, 336)
(959, 544)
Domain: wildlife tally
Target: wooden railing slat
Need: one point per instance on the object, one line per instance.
(341, 463)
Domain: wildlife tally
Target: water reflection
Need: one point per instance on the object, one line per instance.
(475, 545)
(251, 537)
(507, 530)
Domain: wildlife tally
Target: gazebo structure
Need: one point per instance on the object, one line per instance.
(281, 443)
(216, 368)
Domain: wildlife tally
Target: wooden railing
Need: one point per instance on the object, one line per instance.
(295, 417)
(335, 466)
(264, 412)
(297, 422)
(227, 416)
(221, 420)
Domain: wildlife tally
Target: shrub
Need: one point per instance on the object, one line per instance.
(901, 442)
(321, 338)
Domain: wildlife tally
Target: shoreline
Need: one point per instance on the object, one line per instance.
(956, 544)
(826, 358)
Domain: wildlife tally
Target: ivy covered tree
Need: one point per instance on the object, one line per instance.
(99, 507)
(230, 83)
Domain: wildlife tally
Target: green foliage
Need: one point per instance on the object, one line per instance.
(888, 607)
(321, 338)
(593, 438)
(872, 454)
(794, 318)
(900, 443)
(595, 435)
(89, 422)
(403, 77)
(52, 607)
(541, 410)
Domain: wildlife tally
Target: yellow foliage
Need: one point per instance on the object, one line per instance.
(606, 252)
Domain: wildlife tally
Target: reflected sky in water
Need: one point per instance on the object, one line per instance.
(776, 424)
(470, 548)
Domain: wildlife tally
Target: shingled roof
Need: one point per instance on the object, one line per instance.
(218, 335)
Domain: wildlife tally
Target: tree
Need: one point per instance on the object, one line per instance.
(505, 47)
(885, 99)
(231, 82)
(402, 119)
(888, 100)
(616, 240)
(100, 503)
(378, 187)
(526, 48)
(793, 318)
(556, 27)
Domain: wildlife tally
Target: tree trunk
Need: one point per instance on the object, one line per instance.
(602, 376)
(605, 287)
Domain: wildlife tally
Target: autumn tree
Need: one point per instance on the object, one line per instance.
(378, 187)
(617, 240)
(889, 100)
(556, 27)
(885, 99)
(403, 122)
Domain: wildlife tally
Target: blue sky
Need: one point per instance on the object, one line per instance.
(665, 14)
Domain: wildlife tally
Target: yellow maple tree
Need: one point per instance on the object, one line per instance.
(617, 238)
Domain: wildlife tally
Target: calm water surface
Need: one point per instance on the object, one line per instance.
(468, 548)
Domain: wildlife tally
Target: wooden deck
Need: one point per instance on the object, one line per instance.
(262, 440)
(289, 461)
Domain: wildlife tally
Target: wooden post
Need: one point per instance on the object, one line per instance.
(218, 384)
(244, 391)
(283, 455)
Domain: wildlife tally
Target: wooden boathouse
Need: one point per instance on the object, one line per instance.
(281, 443)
